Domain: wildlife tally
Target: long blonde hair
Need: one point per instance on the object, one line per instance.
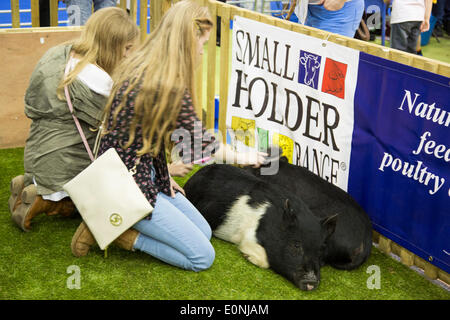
(162, 69)
(102, 42)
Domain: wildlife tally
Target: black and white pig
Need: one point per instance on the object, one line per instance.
(350, 245)
(271, 229)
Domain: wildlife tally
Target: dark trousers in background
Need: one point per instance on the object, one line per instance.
(44, 13)
(439, 10)
(404, 35)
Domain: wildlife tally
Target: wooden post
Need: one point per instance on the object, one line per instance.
(211, 73)
(401, 57)
(251, 15)
(199, 90)
(444, 276)
(384, 244)
(224, 12)
(199, 73)
(444, 70)
(53, 13)
(406, 257)
(375, 237)
(133, 10)
(379, 51)
(123, 4)
(15, 14)
(358, 45)
(430, 270)
(155, 13)
(161, 6)
(143, 19)
(35, 22)
(166, 6)
(431, 66)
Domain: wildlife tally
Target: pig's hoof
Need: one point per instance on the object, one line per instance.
(255, 253)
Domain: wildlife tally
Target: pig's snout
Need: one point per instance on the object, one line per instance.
(308, 281)
(308, 285)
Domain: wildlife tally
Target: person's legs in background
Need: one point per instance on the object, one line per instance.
(438, 11)
(399, 36)
(413, 36)
(404, 36)
(78, 12)
(446, 19)
(99, 4)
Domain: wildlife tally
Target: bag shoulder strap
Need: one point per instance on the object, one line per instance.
(77, 123)
(80, 130)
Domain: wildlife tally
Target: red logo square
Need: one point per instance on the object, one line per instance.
(333, 81)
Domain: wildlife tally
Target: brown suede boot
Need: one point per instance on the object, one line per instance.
(31, 204)
(82, 241)
(23, 206)
(16, 187)
(127, 239)
(64, 207)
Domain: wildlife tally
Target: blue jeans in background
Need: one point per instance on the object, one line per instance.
(79, 11)
(176, 234)
(344, 21)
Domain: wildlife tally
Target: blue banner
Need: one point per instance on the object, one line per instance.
(400, 156)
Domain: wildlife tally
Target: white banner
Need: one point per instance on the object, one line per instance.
(294, 91)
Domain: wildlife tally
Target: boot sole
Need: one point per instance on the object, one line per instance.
(28, 196)
(73, 245)
(15, 188)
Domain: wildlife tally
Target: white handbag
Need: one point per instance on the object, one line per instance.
(108, 198)
(105, 193)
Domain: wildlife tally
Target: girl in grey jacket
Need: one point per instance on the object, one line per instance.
(54, 152)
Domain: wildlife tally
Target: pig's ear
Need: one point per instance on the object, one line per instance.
(287, 211)
(329, 225)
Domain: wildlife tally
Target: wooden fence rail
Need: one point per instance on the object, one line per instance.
(35, 21)
(207, 90)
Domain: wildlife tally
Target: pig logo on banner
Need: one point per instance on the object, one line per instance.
(309, 69)
(334, 78)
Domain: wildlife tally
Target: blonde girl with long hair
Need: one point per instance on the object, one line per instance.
(152, 96)
(54, 152)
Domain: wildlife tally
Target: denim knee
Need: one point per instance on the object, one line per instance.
(205, 258)
(206, 230)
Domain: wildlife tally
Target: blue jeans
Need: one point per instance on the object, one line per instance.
(344, 21)
(176, 234)
(79, 11)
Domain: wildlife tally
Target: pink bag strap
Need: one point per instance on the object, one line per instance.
(77, 123)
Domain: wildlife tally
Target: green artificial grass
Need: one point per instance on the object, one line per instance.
(34, 265)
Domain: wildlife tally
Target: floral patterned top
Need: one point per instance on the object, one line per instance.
(150, 184)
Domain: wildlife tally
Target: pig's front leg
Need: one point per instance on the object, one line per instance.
(254, 252)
